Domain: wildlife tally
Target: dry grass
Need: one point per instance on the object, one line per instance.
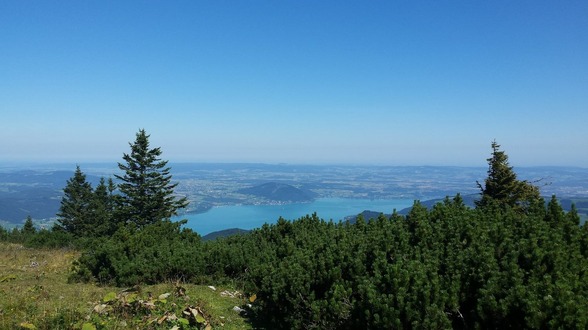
(34, 293)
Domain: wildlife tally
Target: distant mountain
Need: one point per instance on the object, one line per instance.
(224, 233)
(469, 200)
(279, 192)
(367, 215)
(33, 192)
(20, 202)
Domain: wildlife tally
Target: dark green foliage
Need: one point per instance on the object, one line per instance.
(102, 208)
(29, 228)
(223, 233)
(147, 194)
(75, 213)
(51, 239)
(155, 253)
(30, 237)
(4, 234)
(87, 212)
(450, 267)
(502, 187)
(128, 237)
(19, 235)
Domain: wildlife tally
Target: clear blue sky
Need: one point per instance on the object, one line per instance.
(371, 82)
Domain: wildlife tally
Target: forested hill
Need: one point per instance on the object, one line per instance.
(35, 193)
(279, 192)
(224, 233)
(581, 205)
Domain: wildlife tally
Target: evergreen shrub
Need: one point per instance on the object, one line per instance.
(155, 253)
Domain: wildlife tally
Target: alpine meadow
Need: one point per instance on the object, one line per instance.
(514, 260)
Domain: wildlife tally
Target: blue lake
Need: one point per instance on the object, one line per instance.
(254, 216)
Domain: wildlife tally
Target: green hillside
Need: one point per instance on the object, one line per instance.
(278, 192)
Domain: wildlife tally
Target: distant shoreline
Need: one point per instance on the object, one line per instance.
(206, 208)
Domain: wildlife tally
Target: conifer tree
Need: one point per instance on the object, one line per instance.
(554, 214)
(74, 213)
(28, 227)
(147, 194)
(502, 186)
(102, 208)
(4, 234)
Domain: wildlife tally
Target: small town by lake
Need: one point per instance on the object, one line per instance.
(254, 216)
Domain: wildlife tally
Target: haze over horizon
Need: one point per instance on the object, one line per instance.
(382, 83)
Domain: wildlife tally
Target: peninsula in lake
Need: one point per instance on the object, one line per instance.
(37, 190)
(279, 192)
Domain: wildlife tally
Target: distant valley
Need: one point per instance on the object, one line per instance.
(37, 191)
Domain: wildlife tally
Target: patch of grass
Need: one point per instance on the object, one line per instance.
(35, 294)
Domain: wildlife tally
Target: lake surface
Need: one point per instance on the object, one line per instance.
(254, 216)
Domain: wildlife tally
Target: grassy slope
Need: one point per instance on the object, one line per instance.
(34, 292)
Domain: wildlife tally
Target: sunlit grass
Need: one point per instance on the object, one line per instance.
(35, 293)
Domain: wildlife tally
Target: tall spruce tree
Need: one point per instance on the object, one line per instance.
(29, 227)
(146, 192)
(74, 214)
(102, 208)
(502, 186)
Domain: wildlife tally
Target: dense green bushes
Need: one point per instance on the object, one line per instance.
(447, 267)
(156, 253)
(450, 266)
(32, 237)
